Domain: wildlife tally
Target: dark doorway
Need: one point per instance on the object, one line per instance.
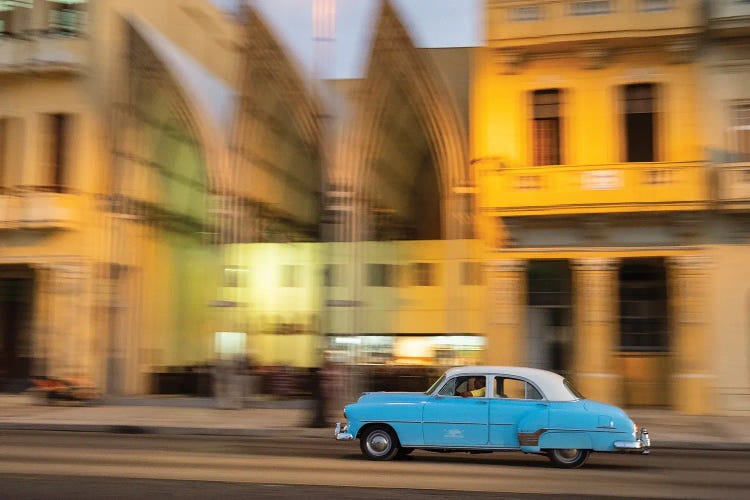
(549, 318)
(644, 331)
(16, 294)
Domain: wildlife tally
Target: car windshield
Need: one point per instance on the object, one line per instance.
(434, 386)
(572, 389)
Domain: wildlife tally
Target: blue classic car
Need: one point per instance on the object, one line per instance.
(491, 408)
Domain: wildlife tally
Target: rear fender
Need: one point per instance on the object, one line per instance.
(565, 439)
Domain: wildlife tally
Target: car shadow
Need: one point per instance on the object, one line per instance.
(534, 461)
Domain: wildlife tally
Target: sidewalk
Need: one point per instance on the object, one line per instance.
(198, 416)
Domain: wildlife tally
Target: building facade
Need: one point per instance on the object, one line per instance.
(594, 196)
(176, 188)
(726, 128)
(165, 200)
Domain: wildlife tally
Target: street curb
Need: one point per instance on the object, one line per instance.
(165, 430)
(302, 432)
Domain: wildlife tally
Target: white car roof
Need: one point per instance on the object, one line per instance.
(551, 384)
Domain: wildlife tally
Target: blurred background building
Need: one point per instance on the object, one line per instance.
(386, 185)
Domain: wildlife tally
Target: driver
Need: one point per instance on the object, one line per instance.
(479, 389)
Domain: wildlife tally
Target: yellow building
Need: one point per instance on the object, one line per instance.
(50, 222)
(726, 128)
(573, 196)
(108, 166)
(162, 166)
(593, 196)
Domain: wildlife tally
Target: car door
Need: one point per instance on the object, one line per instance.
(451, 420)
(515, 406)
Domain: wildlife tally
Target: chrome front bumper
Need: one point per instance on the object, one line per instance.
(641, 445)
(341, 433)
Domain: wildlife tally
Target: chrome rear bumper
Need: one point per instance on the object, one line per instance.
(641, 445)
(341, 433)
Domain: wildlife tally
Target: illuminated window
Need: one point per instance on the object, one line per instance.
(15, 16)
(654, 5)
(740, 131)
(67, 16)
(525, 13)
(380, 275)
(471, 273)
(235, 277)
(291, 276)
(640, 122)
(423, 274)
(546, 128)
(590, 8)
(333, 275)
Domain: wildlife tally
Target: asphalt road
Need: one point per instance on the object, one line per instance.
(85, 465)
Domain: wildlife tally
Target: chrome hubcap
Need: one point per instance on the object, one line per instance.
(378, 443)
(569, 455)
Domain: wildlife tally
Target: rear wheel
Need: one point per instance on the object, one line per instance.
(379, 443)
(570, 458)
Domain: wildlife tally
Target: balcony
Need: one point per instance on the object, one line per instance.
(527, 23)
(586, 189)
(733, 181)
(9, 211)
(729, 17)
(32, 209)
(43, 54)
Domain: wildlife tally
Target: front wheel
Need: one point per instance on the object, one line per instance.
(568, 458)
(379, 443)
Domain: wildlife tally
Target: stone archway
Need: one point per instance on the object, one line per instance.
(168, 162)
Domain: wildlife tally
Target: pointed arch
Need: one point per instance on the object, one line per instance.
(276, 144)
(396, 65)
(147, 68)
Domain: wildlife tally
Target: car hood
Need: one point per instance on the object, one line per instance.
(393, 397)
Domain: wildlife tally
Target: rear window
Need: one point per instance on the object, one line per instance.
(572, 389)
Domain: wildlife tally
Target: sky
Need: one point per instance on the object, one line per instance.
(431, 23)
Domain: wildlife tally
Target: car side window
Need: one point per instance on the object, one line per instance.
(513, 388)
(458, 386)
(449, 389)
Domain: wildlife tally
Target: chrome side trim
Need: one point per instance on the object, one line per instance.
(450, 423)
(480, 447)
(608, 431)
(530, 438)
(395, 421)
(341, 434)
